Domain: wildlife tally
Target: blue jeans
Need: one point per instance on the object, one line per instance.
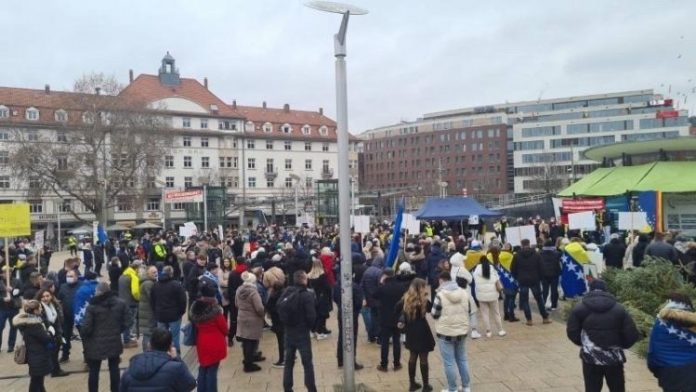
(524, 301)
(174, 327)
(207, 378)
(550, 284)
(453, 354)
(509, 302)
(387, 334)
(127, 332)
(303, 344)
(370, 323)
(6, 316)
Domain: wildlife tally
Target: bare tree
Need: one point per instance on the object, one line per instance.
(548, 177)
(108, 150)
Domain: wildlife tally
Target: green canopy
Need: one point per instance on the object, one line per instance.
(581, 185)
(670, 177)
(620, 180)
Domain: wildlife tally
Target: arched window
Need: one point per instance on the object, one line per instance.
(4, 111)
(32, 114)
(61, 116)
(268, 127)
(249, 126)
(88, 118)
(306, 130)
(286, 128)
(323, 130)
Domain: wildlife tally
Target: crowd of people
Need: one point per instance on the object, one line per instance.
(231, 287)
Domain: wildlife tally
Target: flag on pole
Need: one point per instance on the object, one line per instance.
(396, 235)
(671, 345)
(573, 274)
(101, 234)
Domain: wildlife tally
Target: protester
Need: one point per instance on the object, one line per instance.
(550, 273)
(661, 249)
(106, 318)
(369, 285)
(235, 281)
(146, 319)
(39, 342)
(419, 338)
(159, 368)
(211, 330)
(66, 296)
(52, 316)
(10, 303)
(639, 250)
(318, 281)
(114, 271)
(526, 269)
(168, 302)
(389, 293)
(250, 320)
(463, 278)
(488, 289)
(603, 329)
(451, 310)
(129, 292)
(614, 252)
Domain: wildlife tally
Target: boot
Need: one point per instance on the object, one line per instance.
(425, 375)
(413, 385)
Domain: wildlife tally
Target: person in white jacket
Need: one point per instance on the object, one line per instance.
(463, 278)
(487, 293)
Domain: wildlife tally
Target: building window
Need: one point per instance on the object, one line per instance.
(288, 145)
(204, 123)
(205, 162)
(325, 165)
(4, 182)
(153, 204)
(269, 144)
(269, 165)
(187, 141)
(204, 142)
(306, 130)
(251, 144)
(270, 184)
(308, 164)
(308, 146)
(186, 122)
(287, 128)
(325, 147)
(4, 158)
(35, 206)
(288, 164)
(33, 136)
(227, 125)
(235, 182)
(169, 182)
(65, 206)
(4, 111)
(124, 204)
(61, 116)
(187, 162)
(251, 163)
(178, 206)
(308, 182)
(4, 135)
(323, 130)
(249, 126)
(252, 182)
(169, 161)
(235, 162)
(268, 127)
(61, 137)
(222, 161)
(188, 182)
(32, 114)
(34, 183)
(288, 182)
(62, 163)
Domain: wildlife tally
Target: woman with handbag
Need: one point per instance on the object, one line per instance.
(488, 288)
(38, 344)
(53, 317)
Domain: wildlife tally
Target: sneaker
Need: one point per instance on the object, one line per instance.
(382, 368)
(553, 308)
(475, 334)
(513, 319)
(60, 373)
(358, 366)
(397, 367)
(502, 333)
(414, 386)
(488, 334)
(252, 368)
(466, 389)
(427, 388)
(64, 360)
(529, 323)
(259, 358)
(321, 336)
(279, 365)
(547, 321)
(10, 350)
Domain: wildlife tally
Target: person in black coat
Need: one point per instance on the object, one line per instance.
(106, 317)
(320, 284)
(389, 293)
(196, 271)
(32, 287)
(277, 326)
(550, 273)
(614, 252)
(233, 283)
(66, 296)
(98, 257)
(38, 341)
(168, 303)
(639, 250)
(602, 328)
(358, 298)
(114, 273)
(526, 269)
(52, 316)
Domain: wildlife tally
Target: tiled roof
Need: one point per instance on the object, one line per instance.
(279, 117)
(149, 89)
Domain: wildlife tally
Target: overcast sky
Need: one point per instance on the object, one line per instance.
(405, 58)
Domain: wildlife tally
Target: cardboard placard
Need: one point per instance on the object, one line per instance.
(15, 221)
(582, 221)
(632, 220)
(361, 224)
(515, 235)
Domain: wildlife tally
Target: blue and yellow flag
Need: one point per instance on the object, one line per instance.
(573, 273)
(503, 269)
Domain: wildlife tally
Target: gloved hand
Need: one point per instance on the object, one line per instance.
(15, 292)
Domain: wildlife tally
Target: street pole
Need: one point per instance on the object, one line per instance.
(205, 207)
(297, 206)
(164, 210)
(243, 206)
(60, 239)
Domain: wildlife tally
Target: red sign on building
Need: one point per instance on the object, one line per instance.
(581, 205)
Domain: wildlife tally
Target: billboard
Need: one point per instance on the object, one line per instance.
(188, 196)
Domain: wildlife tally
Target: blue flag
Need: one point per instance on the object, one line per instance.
(396, 236)
(670, 345)
(506, 278)
(572, 276)
(101, 233)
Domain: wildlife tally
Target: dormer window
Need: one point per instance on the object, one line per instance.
(186, 122)
(306, 130)
(249, 126)
(88, 118)
(32, 114)
(323, 130)
(286, 128)
(61, 116)
(268, 127)
(4, 111)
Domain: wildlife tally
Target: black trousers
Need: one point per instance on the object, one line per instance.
(249, 348)
(93, 378)
(594, 376)
(36, 384)
(280, 338)
(339, 347)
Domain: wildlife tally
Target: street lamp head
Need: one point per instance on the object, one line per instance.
(336, 8)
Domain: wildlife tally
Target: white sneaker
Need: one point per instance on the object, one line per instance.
(322, 336)
(502, 333)
(312, 335)
(475, 334)
(489, 334)
(467, 389)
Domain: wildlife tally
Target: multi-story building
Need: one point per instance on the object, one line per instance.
(261, 155)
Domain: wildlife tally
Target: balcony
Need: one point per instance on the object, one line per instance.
(326, 173)
(271, 173)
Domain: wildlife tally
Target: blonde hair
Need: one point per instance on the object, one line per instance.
(416, 299)
(317, 269)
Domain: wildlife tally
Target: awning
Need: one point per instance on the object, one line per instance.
(453, 208)
(586, 182)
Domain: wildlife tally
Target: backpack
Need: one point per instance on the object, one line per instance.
(289, 307)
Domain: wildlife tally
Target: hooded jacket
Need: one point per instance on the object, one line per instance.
(550, 262)
(38, 341)
(129, 286)
(526, 267)
(370, 281)
(451, 310)
(605, 323)
(250, 312)
(168, 300)
(433, 259)
(211, 331)
(672, 354)
(614, 253)
(105, 319)
(156, 371)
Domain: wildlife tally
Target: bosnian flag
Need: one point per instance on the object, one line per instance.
(573, 275)
(671, 345)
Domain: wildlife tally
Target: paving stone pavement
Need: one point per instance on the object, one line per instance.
(537, 358)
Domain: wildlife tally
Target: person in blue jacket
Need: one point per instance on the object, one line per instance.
(84, 293)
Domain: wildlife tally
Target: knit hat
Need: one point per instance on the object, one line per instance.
(248, 277)
(405, 268)
(207, 289)
(475, 245)
(102, 288)
(598, 284)
(276, 257)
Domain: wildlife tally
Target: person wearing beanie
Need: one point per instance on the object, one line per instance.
(105, 318)
(250, 321)
(603, 328)
(211, 329)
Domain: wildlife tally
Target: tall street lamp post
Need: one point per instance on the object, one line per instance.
(343, 184)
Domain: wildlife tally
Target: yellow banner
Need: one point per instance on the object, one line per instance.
(14, 220)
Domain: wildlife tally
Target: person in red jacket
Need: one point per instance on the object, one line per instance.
(327, 259)
(211, 333)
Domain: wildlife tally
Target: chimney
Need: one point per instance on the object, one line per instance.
(130, 75)
(47, 88)
(97, 90)
(321, 111)
(234, 104)
(286, 108)
(205, 83)
(264, 104)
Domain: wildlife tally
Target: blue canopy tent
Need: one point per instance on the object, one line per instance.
(453, 208)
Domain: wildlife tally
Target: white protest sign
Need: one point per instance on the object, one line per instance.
(411, 224)
(221, 234)
(184, 231)
(192, 229)
(474, 220)
(361, 224)
(632, 220)
(582, 221)
(39, 239)
(515, 235)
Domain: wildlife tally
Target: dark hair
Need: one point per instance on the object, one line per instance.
(299, 275)
(524, 243)
(681, 298)
(168, 270)
(211, 266)
(485, 267)
(160, 340)
(445, 275)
